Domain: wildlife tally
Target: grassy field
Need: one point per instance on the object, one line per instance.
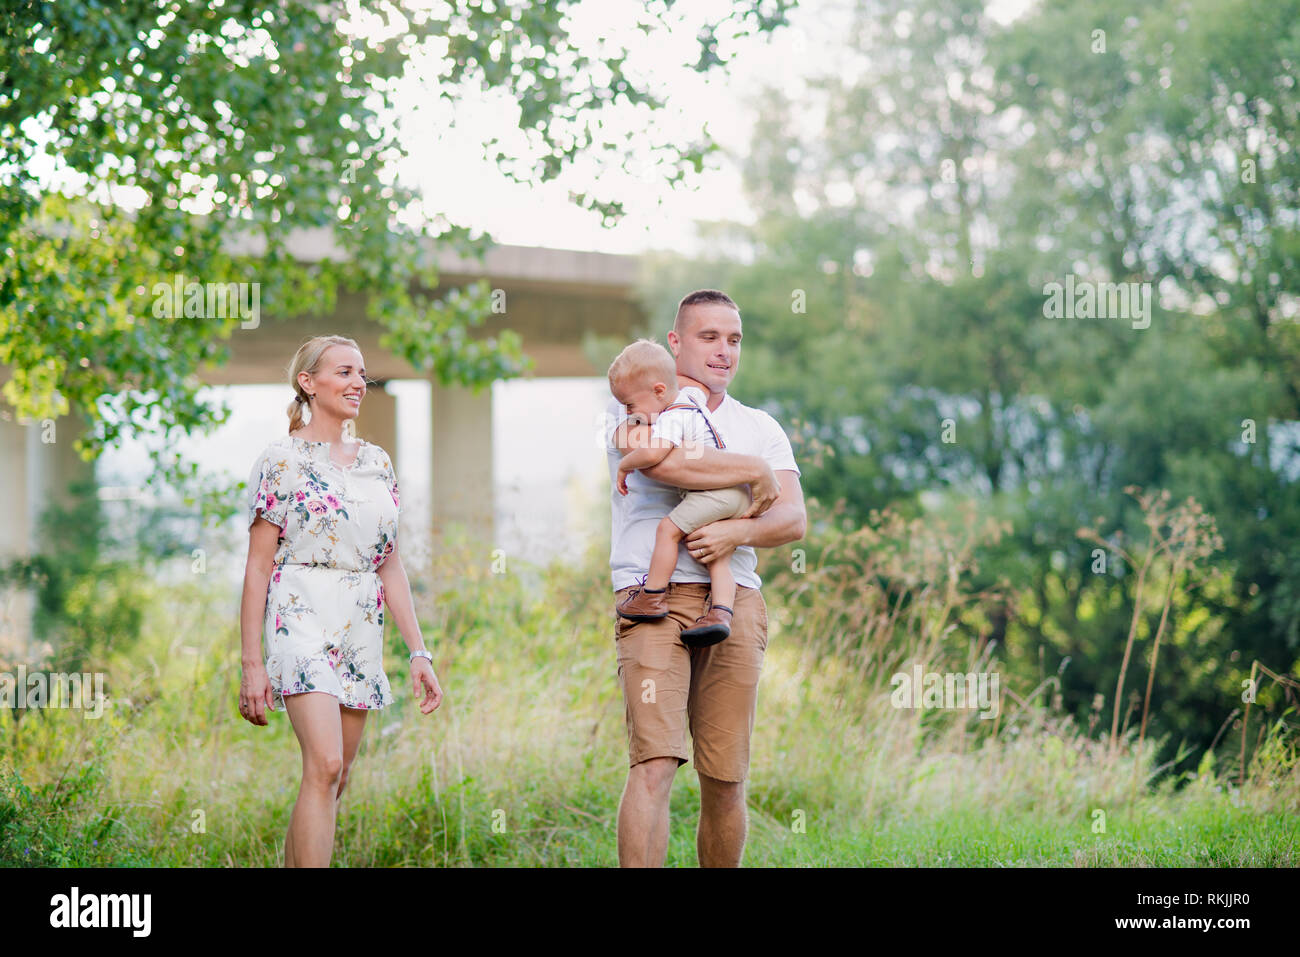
(525, 762)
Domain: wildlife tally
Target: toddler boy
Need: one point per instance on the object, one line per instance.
(645, 381)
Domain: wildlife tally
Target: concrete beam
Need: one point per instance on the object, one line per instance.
(38, 464)
(462, 466)
(16, 533)
(554, 298)
(377, 420)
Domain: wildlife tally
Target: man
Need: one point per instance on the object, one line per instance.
(713, 690)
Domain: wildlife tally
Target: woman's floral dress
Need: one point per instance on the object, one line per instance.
(325, 604)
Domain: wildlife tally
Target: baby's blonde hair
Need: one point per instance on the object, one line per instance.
(642, 363)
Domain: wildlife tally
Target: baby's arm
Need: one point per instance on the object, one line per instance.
(643, 451)
(648, 454)
(646, 457)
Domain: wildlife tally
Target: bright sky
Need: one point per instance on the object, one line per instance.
(447, 153)
(447, 159)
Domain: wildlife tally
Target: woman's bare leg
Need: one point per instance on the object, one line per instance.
(316, 722)
(354, 722)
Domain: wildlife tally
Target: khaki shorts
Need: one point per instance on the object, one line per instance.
(668, 687)
(699, 507)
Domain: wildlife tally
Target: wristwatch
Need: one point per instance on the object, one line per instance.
(422, 653)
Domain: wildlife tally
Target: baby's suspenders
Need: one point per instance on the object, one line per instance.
(717, 439)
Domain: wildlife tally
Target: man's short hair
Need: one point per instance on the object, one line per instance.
(701, 296)
(642, 364)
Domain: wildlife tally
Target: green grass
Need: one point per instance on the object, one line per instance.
(525, 762)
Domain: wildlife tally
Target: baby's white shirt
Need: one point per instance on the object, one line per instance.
(686, 425)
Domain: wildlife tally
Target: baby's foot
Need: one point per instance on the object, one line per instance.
(710, 628)
(643, 604)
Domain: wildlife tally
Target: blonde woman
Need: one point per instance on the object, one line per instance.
(322, 562)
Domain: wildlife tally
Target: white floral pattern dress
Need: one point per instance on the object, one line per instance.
(324, 621)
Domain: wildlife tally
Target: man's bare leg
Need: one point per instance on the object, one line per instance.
(643, 813)
(720, 840)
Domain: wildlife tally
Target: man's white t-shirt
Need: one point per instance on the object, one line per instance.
(634, 517)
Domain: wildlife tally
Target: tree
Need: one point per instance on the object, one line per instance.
(1156, 149)
(158, 138)
(963, 166)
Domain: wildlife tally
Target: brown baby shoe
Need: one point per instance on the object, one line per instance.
(642, 605)
(710, 628)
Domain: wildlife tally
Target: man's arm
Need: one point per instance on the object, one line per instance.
(786, 521)
(644, 450)
(695, 466)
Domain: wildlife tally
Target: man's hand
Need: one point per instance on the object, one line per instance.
(785, 522)
(714, 541)
(763, 492)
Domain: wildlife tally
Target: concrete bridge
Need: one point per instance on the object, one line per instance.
(553, 299)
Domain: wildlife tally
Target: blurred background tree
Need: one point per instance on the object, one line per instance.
(158, 138)
(155, 140)
(912, 205)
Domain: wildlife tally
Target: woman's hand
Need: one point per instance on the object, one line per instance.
(255, 694)
(422, 674)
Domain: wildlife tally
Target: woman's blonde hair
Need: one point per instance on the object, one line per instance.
(307, 359)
